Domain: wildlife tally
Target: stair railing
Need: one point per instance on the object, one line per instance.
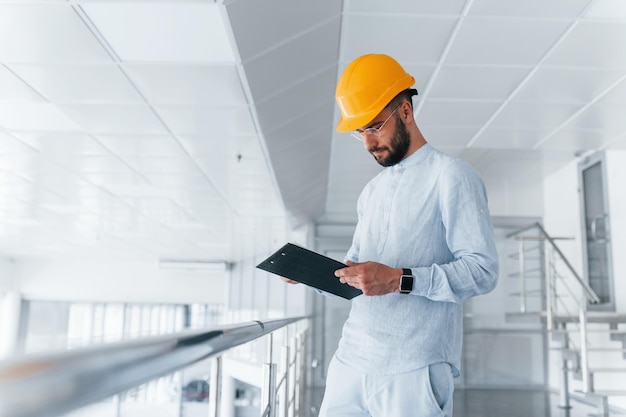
(554, 301)
(551, 296)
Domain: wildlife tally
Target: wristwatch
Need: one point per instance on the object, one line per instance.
(406, 281)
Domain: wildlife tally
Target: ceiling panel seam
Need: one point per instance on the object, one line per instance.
(84, 17)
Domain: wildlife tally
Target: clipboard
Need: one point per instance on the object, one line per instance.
(310, 268)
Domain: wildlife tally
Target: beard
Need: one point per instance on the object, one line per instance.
(398, 146)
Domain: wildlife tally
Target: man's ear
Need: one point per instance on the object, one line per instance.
(406, 112)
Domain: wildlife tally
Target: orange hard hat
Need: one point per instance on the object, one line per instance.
(366, 86)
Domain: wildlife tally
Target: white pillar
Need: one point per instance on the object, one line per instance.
(10, 307)
(227, 406)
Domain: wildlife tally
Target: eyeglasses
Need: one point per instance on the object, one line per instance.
(372, 131)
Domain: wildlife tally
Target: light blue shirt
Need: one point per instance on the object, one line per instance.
(428, 213)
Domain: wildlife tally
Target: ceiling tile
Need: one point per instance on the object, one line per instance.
(142, 145)
(579, 140)
(592, 44)
(22, 162)
(504, 41)
(112, 179)
(194, 178)
(504, 138)
(29, 166)
(93, 163)
(35, 116)
(298, 131)
(160, 164)
(85, 83)
(228, 151)
(601, 116)
(356, 41)
(616, 94)
(215, 85)
(606, 9)
(12, 88)
(529, 8)
(419, 7)
(619, 144)
(281, 108)
(62, 143)
(316, 50)
(456, 113)
(12, 146)
(215, 123)
(159, 32)
(115, 118)
(528, 115)
(256, 35)
(476, 83)
(67, 38)
(567, 85)
(448, 136)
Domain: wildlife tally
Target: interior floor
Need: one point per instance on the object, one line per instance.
(516, 403)
(511, 403)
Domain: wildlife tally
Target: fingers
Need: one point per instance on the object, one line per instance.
(342, 274)
(289, 281)
(348, 275)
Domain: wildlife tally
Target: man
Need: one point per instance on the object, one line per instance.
(423, 244)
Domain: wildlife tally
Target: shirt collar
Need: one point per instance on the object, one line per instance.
(416, 157)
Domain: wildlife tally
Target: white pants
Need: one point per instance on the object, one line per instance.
(426, 392)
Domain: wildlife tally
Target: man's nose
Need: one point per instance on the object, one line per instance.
(370, 141)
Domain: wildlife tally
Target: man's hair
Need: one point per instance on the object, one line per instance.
(401, 96)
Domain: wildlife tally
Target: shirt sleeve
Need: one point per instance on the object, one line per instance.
(353, 252)
(469, 236)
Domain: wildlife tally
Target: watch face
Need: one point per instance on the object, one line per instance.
(406, 283)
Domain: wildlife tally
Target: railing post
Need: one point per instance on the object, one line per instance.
(550, 289)
(215, 389)
(285, 388)
(584, 359)
(522, 275)
(268, 391)
(302, 372)
(298, 360)
(564, 397)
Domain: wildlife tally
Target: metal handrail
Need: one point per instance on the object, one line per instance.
(589, 292)
(47, 385)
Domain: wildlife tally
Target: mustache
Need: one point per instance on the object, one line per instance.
(377, 149)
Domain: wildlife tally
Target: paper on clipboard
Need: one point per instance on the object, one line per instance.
(308, 267)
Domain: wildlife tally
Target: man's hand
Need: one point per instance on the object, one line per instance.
(372, 278)
(289, 281)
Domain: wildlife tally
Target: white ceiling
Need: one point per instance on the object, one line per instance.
(193, 129)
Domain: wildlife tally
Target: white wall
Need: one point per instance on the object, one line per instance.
(9, 307)
(7, 275)
(10, 302)
(117, 282)
(517, 194)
